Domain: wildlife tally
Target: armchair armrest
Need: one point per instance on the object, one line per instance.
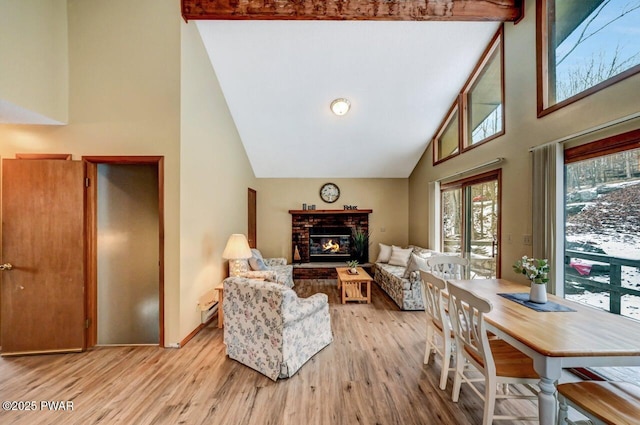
(277, 261)
(304, 307)
(269, 275)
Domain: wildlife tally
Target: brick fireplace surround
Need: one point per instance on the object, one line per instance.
(304, 220)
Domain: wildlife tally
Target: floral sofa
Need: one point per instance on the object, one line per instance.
(268, 328)
(273, 269)
(403, 283)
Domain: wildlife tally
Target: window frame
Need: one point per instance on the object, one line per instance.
(607, 146)
(453, 110)
(460, 105)
(545, 79)
(496, 42)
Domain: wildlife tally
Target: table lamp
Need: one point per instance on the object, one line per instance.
(237, 249)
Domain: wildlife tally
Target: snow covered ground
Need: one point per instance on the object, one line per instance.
(630, 305)
(611, 222)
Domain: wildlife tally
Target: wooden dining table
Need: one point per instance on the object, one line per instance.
(557, 340)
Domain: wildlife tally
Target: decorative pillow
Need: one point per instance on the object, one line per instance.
(415, 263)
(256, 253)
(385, 253)
(257, 264)
(423, 252)
(399, 256)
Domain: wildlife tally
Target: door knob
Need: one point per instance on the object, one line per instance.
(6, 266)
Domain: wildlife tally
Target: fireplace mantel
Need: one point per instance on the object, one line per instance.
(311, 212)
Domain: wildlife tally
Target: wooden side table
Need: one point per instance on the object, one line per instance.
(220, 289)
(355, 287)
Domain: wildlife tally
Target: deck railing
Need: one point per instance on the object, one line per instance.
(482, 266)
(611, 266)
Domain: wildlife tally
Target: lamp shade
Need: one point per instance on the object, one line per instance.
(237, 247)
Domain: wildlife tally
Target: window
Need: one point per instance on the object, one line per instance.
(452, 220)
(602, 223)
(446, 144)
(471, 222)
(481, 101)
(484, 99)
(584, 46)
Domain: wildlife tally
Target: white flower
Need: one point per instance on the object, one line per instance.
(537, 270)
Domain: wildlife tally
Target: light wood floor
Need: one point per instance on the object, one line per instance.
(372, 373)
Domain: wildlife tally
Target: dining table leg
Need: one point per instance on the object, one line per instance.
(547, 402)
(549, 370)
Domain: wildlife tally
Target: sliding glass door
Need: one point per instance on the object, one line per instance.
(471, 222)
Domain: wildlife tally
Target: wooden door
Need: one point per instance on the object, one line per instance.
(251, 226)
(42, 297)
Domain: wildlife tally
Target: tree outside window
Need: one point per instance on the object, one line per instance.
(588, 45)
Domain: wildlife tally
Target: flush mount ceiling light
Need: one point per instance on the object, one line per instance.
(340, 106)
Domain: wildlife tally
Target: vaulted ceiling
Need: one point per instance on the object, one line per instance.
(280, 76)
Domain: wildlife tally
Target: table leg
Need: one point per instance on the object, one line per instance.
(368, 292)
(547, 402)
(549, 370)
(220, 310)
(344, 295)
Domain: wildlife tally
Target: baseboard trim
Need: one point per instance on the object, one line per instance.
(194, 332)
(191, 335)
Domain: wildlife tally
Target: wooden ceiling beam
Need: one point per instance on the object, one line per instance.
(354, 10)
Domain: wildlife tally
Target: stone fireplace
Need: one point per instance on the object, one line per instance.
(325, 235)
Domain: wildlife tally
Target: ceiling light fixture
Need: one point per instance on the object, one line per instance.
(340, 106)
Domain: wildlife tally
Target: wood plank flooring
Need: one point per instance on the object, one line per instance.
(372, 373)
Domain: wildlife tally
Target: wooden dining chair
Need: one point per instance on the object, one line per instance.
(495, 359)
(603, 402)
(438, 323)
(449, 266)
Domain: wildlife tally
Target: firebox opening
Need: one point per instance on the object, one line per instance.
(330, 245)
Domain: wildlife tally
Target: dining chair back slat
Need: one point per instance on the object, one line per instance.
(449, 267)
(466, 311)
(433, 300)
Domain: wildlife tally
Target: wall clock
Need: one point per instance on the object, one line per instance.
(329, 192)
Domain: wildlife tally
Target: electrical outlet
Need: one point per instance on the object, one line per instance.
(383, 229)
(509, 239)
(527, 239)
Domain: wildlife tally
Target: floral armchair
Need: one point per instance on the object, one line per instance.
(273, 269)
(268, 328)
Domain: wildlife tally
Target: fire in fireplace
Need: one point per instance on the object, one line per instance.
(329, 244)
(330, 247)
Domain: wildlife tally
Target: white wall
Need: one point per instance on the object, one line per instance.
(34, 59)
(213, 179)
(523, 131)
